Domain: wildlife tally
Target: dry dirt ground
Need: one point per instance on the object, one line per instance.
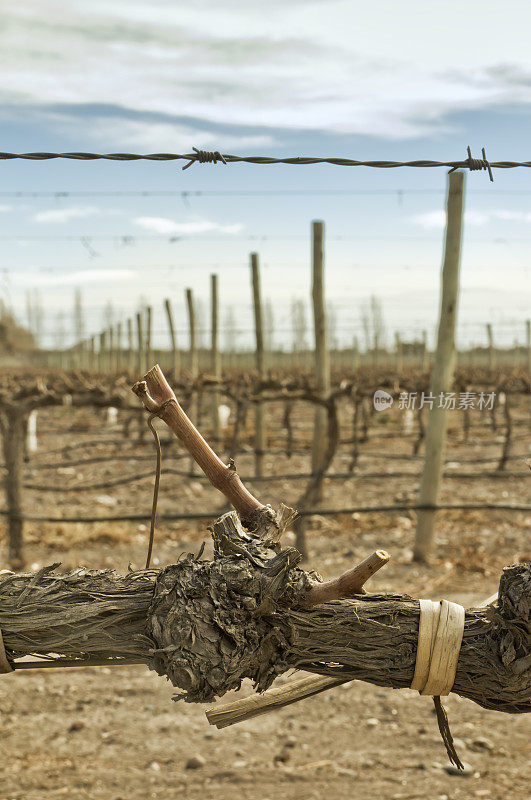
(111, 734)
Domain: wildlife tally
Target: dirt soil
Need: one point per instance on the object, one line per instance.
(115, 734)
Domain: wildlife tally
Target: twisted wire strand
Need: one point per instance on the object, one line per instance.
(213, 157)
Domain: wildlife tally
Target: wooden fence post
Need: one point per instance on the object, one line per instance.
(112, 351)
(355, 354)
(102, 355)
(425, 360)
(119, 351)
(442, 374)
(259, 420)
(74, 356)
(528, 345)
(85, 354)
(193, 364)
(322, 361)
(490, 340)
(140, 344)
(399, 353)
(215, 363)
(13, 425)
(92, 354)
(130, 347)
(148, 350)
(173, 341)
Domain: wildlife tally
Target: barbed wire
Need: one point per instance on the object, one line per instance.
(214, 156)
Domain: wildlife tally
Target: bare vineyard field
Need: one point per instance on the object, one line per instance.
(110, 734)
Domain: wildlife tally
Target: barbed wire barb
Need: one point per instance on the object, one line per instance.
(205, 157)
(477, 163)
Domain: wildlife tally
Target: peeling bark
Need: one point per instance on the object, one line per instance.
(207, 625)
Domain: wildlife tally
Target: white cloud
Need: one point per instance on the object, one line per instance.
(430, 219)
(4, 208)
(60, 215)
(167, 137)
(437, 219)
(379, 69)
(84, 276)
(169, 226)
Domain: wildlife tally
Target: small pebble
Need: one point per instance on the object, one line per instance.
(195, 762)
(283, 757)
(459, 744)
(466, 772)
(372, 722)
(76, 726)
(480, 743)
(291, 741)
(345, 772)
(155, 766)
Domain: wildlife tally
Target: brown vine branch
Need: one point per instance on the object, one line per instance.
(158, 398)
(350, 583)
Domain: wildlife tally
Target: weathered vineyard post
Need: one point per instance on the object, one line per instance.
(491, 346)
(140, 343)
(193, 364)
(443, 368)
(119, 351)
(508, 434)
(130, 346)
(425, 359)
(92, 354)
(528, 345)
(215, 359)
(148, 351)
(173, 341)
(322, 361)
(102, 351)
(259, 421)
(13, 423)
(111, 366)
(399, 353)
(355, 354)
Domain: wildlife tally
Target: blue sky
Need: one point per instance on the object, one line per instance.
(395, 81)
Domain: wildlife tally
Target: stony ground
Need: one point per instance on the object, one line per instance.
(111, 734)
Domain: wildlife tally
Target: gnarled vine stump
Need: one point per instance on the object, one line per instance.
(207, 625)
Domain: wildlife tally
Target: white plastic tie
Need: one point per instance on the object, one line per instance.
(441, 629)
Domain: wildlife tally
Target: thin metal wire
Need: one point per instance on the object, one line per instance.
(322, 512)
(191, 194)
(153, 518)
(205, 156)
(155, 488)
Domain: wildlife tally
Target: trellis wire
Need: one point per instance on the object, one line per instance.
(316, 512)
